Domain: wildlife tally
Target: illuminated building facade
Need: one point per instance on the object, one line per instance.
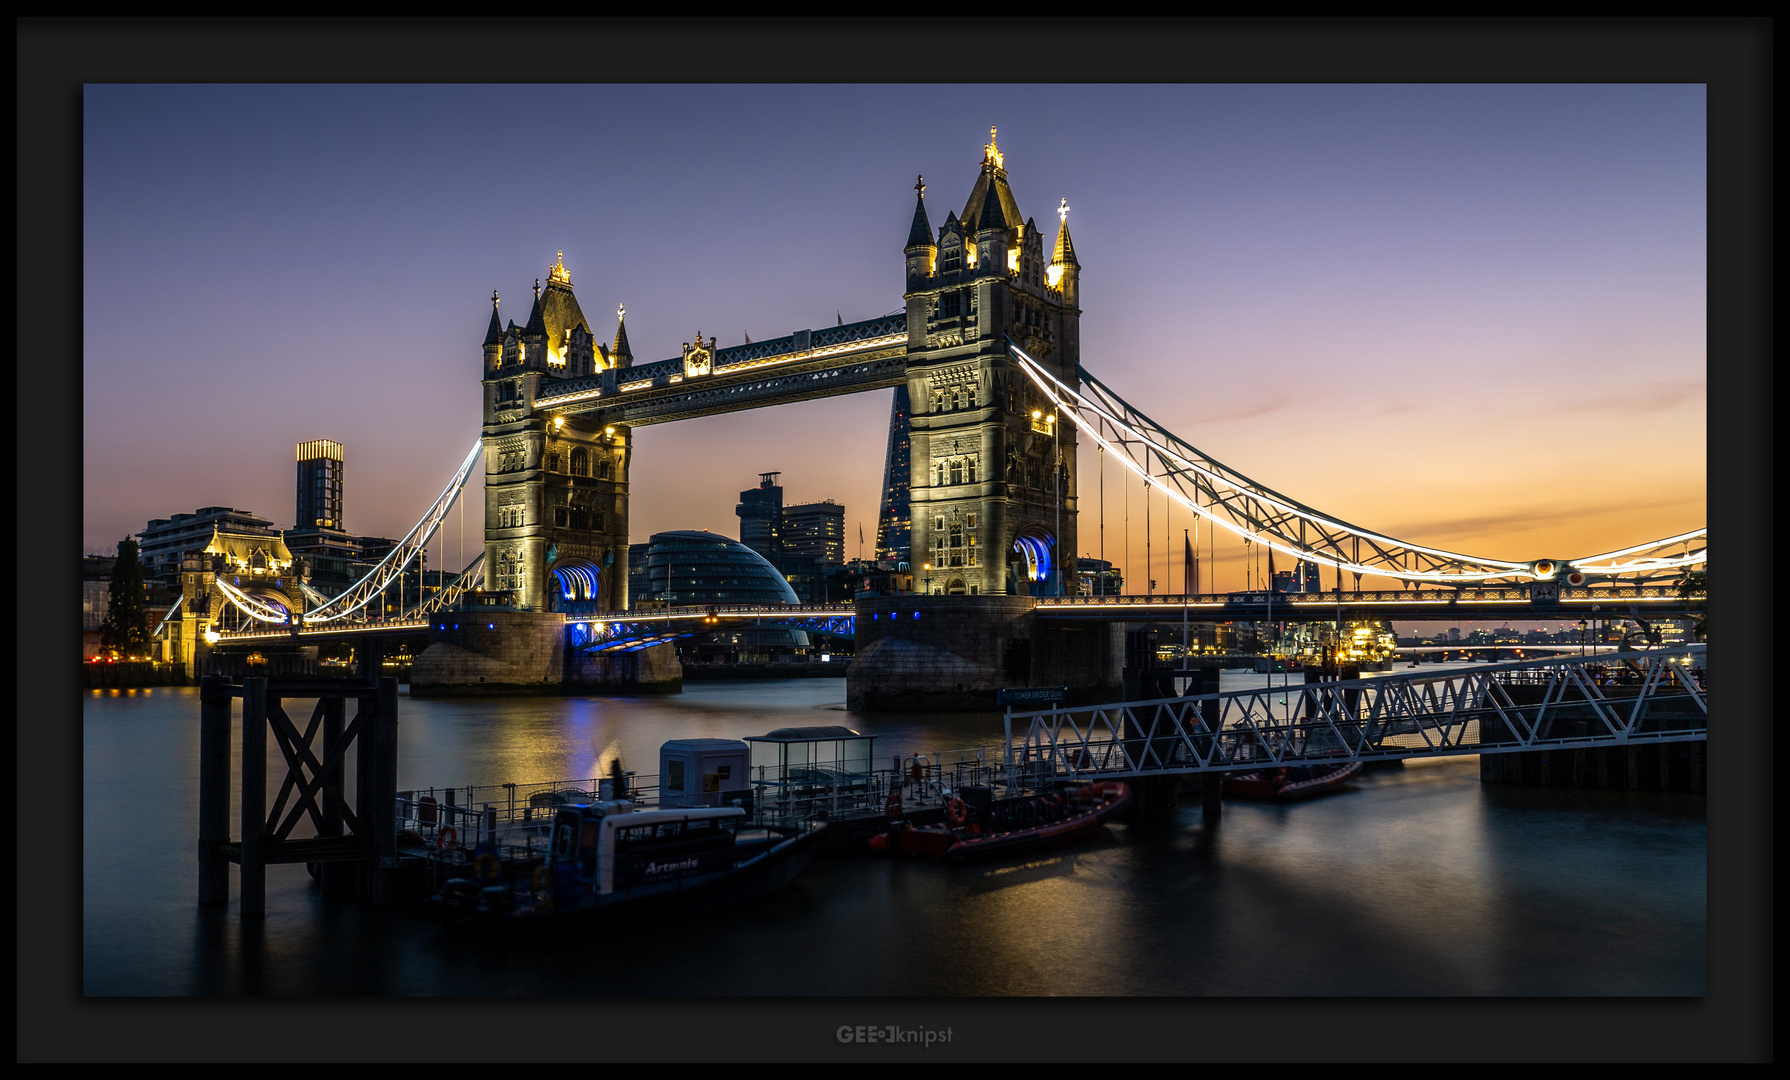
(992, 468)
(556, 487)
(319, 485)
(894, 522)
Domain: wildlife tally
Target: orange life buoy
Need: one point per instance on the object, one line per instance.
(448, 837)
(957, 811)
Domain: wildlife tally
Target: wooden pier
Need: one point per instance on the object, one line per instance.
(355, 845)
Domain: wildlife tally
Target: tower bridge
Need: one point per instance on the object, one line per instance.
(987, 350)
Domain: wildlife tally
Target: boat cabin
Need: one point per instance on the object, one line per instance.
(609, 848)
(703, 772)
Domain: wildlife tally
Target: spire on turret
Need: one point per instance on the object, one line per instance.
(1064, 252)
(537, 324)
(621, 348)
(920, 235)
(494, 333)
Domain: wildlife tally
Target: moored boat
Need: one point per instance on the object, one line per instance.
(1291, 783)
(608, 859)
(1009, 827)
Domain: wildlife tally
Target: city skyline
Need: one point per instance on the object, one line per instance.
(1328, 288)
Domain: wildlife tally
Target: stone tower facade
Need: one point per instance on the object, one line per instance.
(556, 487)
(993, 468)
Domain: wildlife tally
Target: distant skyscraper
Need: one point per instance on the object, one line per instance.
(761, 516)
(894, 527)
(319, 485)
(816, 531)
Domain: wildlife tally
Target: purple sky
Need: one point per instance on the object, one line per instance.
(1472, 317)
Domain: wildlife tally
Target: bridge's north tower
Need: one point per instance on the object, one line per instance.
(993, 469)
(556, 486)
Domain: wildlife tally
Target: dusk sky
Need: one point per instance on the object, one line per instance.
(1469, 317)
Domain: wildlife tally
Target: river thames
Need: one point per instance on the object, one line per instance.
(1412, 881)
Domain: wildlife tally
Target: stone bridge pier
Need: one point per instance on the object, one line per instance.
(956, 652)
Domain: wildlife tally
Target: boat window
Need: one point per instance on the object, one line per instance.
(563, 841)
(674, 781)
(671, 830)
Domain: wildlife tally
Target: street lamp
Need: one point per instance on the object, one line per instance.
(1582, 628)
(928, 568)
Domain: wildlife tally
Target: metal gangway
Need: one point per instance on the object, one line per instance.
(1607, 700)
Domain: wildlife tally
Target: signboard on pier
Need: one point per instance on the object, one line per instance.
(1032, 695)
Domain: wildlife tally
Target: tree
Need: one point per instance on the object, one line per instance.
(126, 627)
(1695, 589)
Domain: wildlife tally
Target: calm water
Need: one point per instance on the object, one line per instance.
(1413, 881)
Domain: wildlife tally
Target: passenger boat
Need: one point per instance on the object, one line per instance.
(1291, 783)
(1009, 827)
(609, 859)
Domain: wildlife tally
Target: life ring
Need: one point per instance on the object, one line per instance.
(448, 837)
(957, 812)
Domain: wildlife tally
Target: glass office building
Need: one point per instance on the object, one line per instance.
(684, 568)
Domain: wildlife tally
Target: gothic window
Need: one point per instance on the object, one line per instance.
(580, 462)
(596, 519)
(957, 470)
(562, 516)
(580, 518)
(969, 465)
(951, 261)
(603, 470)
(969, 394)
(951, 305)
(552, 462)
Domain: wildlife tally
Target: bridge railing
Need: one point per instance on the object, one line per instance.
(1258, 600)
(1621, 698)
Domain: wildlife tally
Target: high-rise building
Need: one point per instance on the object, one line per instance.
(761, 516)
(894, 525)
(815, 531)
(319, 485)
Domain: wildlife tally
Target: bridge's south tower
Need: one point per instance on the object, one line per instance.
(556, 487)
(993, 495)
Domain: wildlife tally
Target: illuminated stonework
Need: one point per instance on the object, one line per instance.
(555, 484)
(990, 462)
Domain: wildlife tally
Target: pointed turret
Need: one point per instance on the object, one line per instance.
(623, 355)
(494, 332)
(493, 339)
(1065, 270)
(1064, 252)
(537, 326)
(920, 235)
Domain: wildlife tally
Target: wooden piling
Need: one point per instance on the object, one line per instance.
(379, 800)
(214, 789)
(336, 878)
(254, 796)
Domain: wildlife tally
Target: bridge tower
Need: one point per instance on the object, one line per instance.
(556, 486)
(993, 469)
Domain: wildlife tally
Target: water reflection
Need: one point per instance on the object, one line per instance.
(1413, 881)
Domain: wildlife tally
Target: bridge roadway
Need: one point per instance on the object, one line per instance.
(1505, 602)
(868, 355)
